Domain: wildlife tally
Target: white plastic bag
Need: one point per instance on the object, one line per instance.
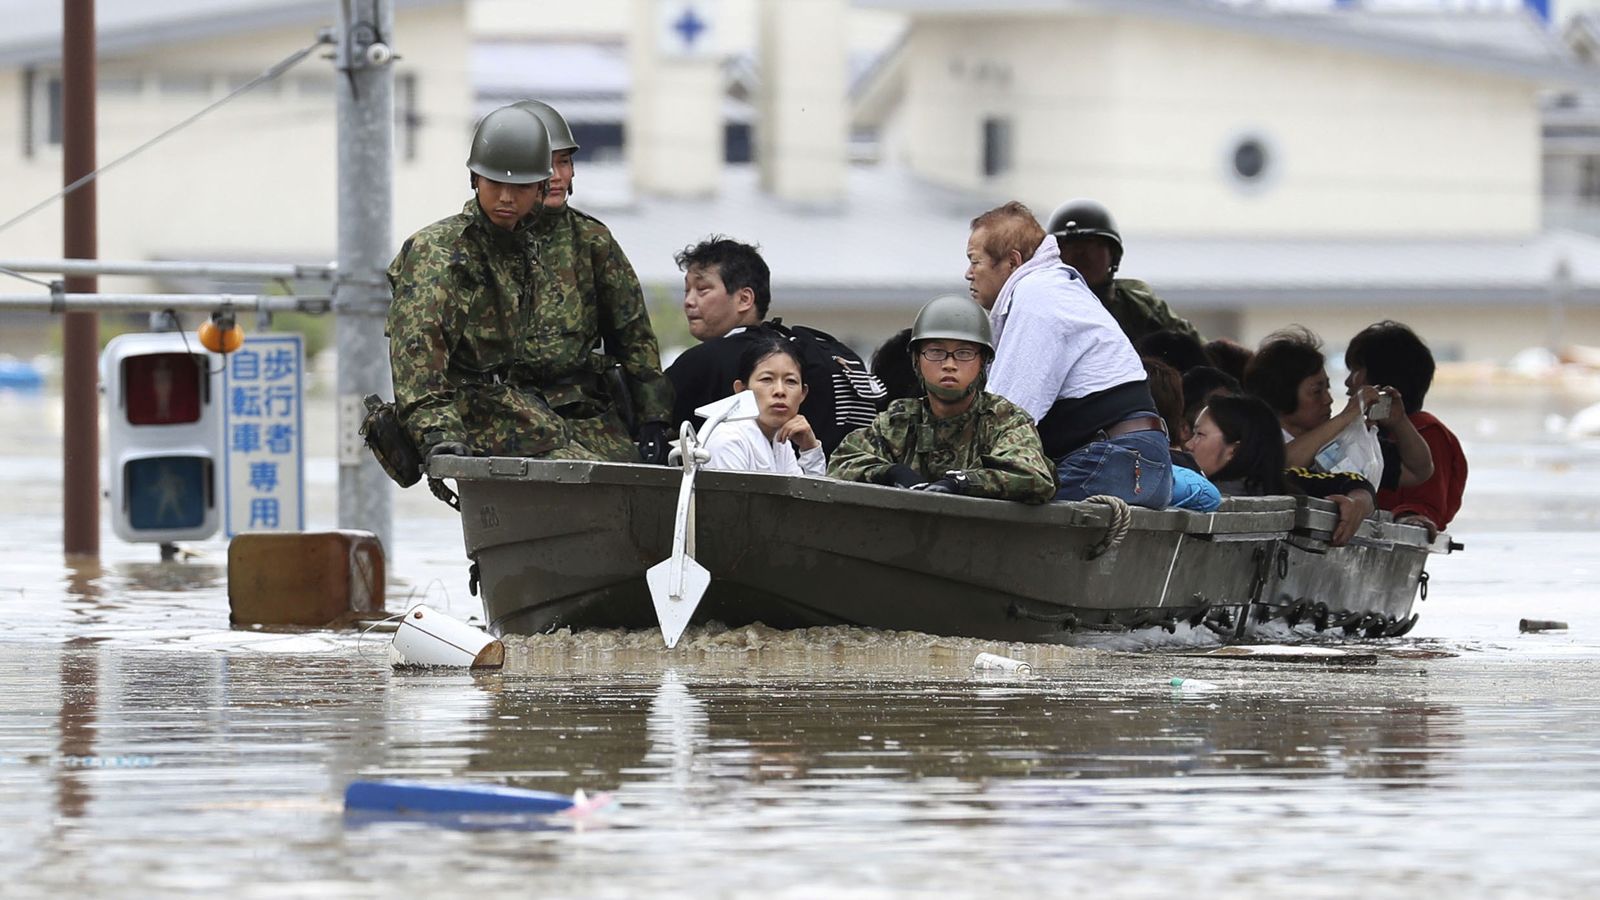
(1354, 450)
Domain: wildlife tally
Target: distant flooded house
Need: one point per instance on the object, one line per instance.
(1266, 165)
(1332, 166)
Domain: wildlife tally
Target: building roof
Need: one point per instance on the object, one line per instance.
(1512, 43)
(33, 29)
(587, 80)
(900, 242)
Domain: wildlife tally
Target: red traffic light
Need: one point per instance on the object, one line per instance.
(164, 388)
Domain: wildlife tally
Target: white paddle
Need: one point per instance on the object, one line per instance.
(678, 582)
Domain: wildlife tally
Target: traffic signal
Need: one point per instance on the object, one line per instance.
(163, 436)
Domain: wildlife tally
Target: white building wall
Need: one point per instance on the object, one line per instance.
(1144, 115)
(255, 179)
(961, 72)
(803, 128)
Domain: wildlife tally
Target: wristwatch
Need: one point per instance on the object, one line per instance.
(959, 479)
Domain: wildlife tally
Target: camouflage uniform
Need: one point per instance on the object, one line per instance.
(1139, 311)
(993, 442)
(598, 284)
(491, 350)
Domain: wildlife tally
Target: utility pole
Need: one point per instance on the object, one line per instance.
(80, 376)
(361, 291)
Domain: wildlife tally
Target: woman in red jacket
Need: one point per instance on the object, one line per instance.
(1389, 353)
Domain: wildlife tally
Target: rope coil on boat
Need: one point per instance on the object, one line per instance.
(1121, 521)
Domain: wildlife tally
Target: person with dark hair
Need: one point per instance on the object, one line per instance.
(1190, 489)
(956, 438)
(893, 366)
(1166, 388)
(1061, 357)
(1229, 356)
(1237, 444)
(1202, 383)
(779, 440)
(1390, 353)
(1178, 349)
(1288, 373)
(727, 292)
(1091, 244)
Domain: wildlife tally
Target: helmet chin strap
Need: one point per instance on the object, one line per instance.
(951, 395)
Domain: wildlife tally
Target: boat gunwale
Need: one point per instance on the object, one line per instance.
(1275, 515)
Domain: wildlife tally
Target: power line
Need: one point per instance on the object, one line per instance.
(270, 73)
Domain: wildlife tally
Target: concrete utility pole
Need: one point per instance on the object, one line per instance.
(80, 376)
(361, 292)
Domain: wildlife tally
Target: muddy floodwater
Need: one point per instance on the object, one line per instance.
(147, 748)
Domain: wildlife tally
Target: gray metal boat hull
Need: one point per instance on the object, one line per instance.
(566, 545)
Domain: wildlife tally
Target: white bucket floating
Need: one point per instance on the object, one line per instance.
(427, 637)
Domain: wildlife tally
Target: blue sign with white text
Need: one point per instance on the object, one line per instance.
(263, 390)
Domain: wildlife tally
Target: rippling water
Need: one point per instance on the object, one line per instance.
(146, 748)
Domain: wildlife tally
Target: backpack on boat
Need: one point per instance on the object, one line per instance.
(844, 395)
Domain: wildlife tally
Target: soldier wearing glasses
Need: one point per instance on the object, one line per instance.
(957, 438)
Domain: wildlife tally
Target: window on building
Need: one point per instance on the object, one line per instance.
(1589, 179)
(996, 146)
(1250, 159)
(738, 143)
(601, 141)
(42, 116)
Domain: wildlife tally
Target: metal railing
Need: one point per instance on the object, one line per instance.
(63, 302)
(175, 269)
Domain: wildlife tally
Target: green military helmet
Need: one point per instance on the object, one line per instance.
(1086, 218)
(560, 132)
(511, 146)
(953, 318)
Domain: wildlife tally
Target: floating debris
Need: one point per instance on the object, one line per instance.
(1291, 653)
(427, 637)
(1536, 625)
(994, 662)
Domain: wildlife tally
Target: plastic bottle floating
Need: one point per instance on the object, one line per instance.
(994, 662)
(1191, 685)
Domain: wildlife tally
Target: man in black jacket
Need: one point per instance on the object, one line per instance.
(726, 294)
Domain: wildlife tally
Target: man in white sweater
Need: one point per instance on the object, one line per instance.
(1061, 357)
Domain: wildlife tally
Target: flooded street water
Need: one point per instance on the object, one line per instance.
(147, 748)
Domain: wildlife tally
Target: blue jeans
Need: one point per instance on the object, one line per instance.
(1136, 467)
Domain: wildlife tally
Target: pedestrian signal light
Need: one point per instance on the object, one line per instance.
(163, 437)
(163, 388)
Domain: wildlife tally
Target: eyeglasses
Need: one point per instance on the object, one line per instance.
(939, 354)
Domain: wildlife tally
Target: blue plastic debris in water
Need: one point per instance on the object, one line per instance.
(20, 376)
(419, 797)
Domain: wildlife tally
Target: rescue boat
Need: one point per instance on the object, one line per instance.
(559, 544)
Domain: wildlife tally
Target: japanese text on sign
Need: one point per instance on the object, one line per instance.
(264, 391)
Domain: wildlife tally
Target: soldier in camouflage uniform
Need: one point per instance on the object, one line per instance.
(579, 253)
(958, 438)
(492, 353)
(1091, 243)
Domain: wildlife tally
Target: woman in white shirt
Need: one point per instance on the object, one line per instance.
(779, 440)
